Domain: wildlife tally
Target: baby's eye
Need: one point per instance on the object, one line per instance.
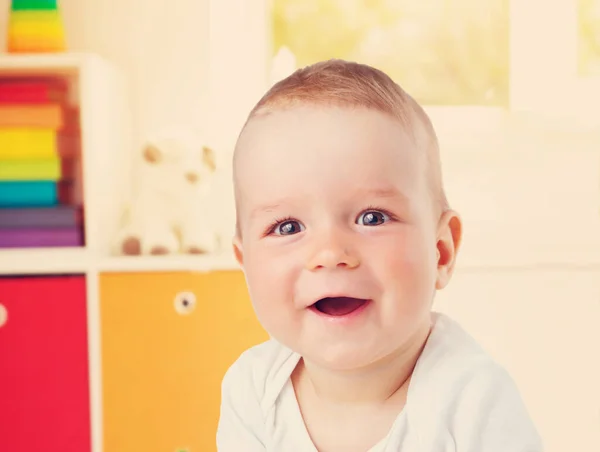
(372, 218)
(289, 227)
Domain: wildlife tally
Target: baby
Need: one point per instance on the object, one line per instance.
(344, 234)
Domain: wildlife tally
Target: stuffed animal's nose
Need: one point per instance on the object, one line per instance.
(191, 177)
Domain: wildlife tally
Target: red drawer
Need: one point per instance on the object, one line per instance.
(44, 395)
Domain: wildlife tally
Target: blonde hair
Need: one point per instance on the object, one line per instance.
(344, 83)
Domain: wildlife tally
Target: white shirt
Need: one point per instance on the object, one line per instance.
(459, 400)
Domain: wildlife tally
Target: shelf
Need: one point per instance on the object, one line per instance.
(202, 263)
(43, 261)
(65, 125)
(47, 261)
(43, 62)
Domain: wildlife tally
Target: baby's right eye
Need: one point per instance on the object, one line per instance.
(287, 227)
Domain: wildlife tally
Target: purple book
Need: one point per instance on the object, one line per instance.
(40, 217)
(34, 238)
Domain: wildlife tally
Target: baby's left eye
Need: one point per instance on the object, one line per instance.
(372, 218)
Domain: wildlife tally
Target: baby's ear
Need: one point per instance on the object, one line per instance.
(208, 156)
(449, 240)
(152, 154)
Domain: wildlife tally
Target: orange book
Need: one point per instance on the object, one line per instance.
(48, 116)
(35, 44)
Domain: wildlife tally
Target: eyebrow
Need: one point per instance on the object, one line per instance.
(268, 208)
(381, 192)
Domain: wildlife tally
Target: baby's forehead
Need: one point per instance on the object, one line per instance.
(302, 147)
(306, 122)
(291, 135)
(413, 121)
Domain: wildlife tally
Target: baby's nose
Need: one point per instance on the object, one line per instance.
(191, 177)
(332, 255)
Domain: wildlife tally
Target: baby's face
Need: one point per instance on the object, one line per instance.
(338, 232)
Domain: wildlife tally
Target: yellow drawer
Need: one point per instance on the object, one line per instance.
(167, 340)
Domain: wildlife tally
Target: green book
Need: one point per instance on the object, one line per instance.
(19, 5)
(22, 170)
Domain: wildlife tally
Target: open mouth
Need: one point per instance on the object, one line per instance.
(339, 306)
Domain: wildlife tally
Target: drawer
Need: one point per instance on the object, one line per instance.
(44, 395)
(167, 340)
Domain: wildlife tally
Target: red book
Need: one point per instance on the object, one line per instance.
(32, 91)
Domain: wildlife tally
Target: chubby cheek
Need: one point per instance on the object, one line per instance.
(271, 282)
(408, 272)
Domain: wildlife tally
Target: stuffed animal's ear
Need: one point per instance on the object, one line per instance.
(152, 154)
(208, 155)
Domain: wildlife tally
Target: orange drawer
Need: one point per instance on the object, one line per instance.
(167, 340)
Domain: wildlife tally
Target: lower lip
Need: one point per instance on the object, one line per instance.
(342, 319)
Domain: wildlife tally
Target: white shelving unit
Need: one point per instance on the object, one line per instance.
(106, 148)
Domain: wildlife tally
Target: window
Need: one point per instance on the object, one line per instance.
(443, 52)
(587, 87)
(589, 37)
(502, 55)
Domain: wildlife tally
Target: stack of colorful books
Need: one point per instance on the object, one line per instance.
(39, 156)
(35, 26)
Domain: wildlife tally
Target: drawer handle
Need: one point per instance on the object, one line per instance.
(3, 315)
(185, 303)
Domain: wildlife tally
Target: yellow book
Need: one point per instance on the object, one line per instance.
(35, 30)
(21, 170)
(24, 143)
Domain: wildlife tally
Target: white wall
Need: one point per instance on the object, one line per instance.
(161, 45)
(528, 280)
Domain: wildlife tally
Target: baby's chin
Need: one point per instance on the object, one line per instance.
(346, 357)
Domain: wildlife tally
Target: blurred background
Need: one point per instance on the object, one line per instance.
(513, 89)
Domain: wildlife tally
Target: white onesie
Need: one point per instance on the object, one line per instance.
(459, 400)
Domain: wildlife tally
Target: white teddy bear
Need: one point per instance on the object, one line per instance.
(170, 212)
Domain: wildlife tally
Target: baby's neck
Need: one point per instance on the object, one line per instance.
(374, 385)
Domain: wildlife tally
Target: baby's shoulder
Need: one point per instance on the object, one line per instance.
(263, 369)
(455, 364)
(455, 382)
